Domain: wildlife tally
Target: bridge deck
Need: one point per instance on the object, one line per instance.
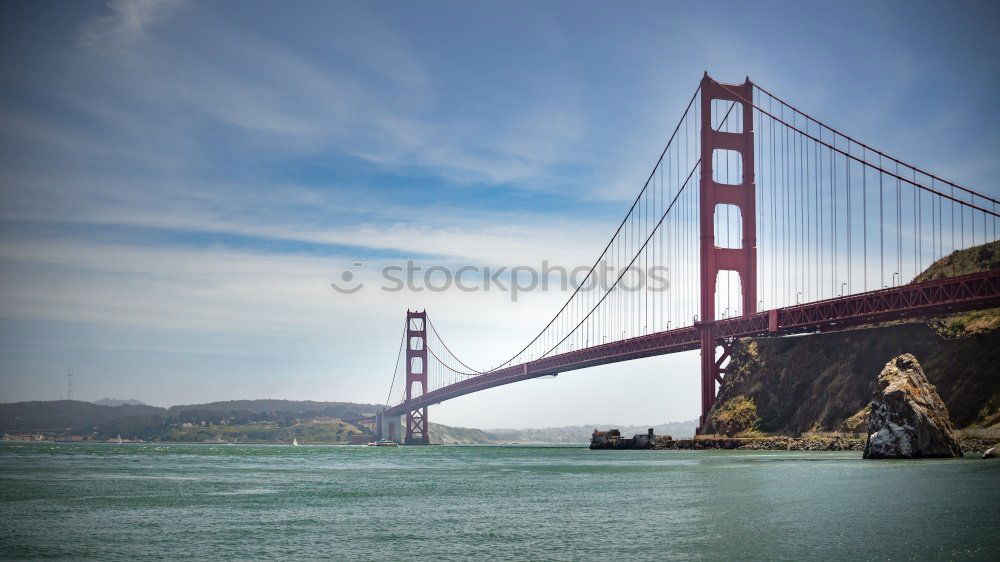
(940, 296)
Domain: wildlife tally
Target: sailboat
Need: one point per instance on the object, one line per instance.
(295, 442)
(119, 438)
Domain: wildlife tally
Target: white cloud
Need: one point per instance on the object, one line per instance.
(127, 22)
(313, 101)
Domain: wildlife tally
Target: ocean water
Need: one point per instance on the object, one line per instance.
(114, 502)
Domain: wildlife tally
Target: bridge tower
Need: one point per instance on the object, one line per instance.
(742, 260)
(416, 372)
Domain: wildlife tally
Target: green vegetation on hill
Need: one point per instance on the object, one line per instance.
(261, 421)
(972, 260)
(118, 402)
(254, 420)
(300, 407)
(736, 415)
(146, 428)
(72, 415)
(317, 431)
(985, 257)
(443, 434)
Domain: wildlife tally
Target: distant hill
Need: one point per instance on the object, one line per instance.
(264, 420)
(323, 431)
(75, 416)
(118, 402)
(71, 415)
(446, 435)
(581, 433)
(301, 407)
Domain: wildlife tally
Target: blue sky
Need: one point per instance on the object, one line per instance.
(181, 181)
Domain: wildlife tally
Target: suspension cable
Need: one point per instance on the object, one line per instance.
(656, 228)
(452, 353)
(866, 163)
(610, 242)
(635, 257)
(627, 235)
(395, 371)
(855, 141)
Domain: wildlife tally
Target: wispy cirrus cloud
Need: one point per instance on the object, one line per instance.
(315, 99)
(126, 22)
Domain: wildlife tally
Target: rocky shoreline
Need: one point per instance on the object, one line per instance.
(977, 444)
(968, 445)
(762, 443)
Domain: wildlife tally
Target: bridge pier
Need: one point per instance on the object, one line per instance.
(709, 372)
(388, 427)
(416, 428)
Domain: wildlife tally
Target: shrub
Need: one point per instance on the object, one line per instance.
(738, 414)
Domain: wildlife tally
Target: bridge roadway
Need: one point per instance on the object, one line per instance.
(940, 296)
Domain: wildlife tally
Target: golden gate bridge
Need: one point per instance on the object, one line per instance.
(770, 223)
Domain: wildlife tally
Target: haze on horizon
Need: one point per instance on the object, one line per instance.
(181, 181)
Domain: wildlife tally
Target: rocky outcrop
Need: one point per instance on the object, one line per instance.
(908, 419)
(821, 382)
(990, 453)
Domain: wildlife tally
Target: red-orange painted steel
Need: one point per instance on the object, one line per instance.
(940, 296)
(742, 260)
(416, 372)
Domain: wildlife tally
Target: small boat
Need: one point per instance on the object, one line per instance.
(383, 443)
(295, 442)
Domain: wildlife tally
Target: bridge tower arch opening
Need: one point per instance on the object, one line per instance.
(416, 377)
(740, 192)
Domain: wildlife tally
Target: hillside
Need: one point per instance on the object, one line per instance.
(985, 257)
(262, 421)
(74, 417)
(824, 381)
(326, 431)
(302, 407)
(447, 435)
(119, 402)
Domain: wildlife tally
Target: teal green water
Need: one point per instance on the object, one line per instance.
(365, 503)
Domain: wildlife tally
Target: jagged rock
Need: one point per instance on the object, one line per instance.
(857, 423)
(908, 419)
(990, 453)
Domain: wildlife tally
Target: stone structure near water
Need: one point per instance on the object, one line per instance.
(613, 439)
(908, 419)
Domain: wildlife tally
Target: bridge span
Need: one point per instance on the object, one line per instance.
(794, 227)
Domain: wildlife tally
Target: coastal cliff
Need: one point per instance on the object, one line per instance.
(825, 381)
